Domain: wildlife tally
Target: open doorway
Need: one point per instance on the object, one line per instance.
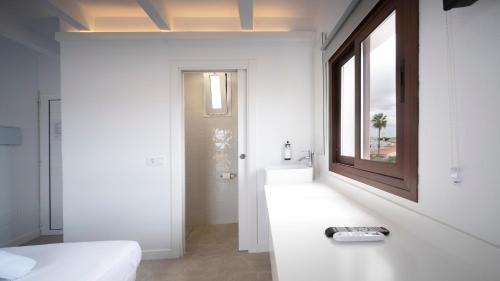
(211, 161)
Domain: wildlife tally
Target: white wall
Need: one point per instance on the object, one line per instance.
(19, 193)
(211, 149)
(116, 96)
(471, 206)
(49, 75)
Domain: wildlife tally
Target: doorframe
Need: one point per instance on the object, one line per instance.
(247, 192)
(44, 166)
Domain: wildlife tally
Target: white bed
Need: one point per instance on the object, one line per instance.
(86, 261)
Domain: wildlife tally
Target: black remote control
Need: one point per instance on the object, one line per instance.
(332, 230)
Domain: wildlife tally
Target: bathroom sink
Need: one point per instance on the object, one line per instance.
(288, 174)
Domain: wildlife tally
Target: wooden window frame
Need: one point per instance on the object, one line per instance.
(400, 178)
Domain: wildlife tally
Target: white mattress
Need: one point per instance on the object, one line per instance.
(87, 261)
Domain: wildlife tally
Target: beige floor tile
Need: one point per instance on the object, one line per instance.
(211, 255)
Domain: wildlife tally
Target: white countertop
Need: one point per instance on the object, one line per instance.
(299, 215)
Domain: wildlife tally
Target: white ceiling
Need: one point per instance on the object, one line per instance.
(29, 23)
(34, 22)
(198, 15)
(182, 15)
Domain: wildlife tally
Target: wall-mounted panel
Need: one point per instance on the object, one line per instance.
(10, 136)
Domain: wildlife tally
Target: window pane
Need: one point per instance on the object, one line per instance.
(347, 109)
(378, 84)
(217, 94)
(215, 90)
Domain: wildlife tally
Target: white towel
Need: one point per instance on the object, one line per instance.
(14, 266)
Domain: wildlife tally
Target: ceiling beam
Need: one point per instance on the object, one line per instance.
(154, 11)
(246, 14)
(68, 11)
(12, 28)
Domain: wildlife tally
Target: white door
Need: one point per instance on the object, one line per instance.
(51, 188)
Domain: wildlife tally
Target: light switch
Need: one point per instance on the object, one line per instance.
(155, 161)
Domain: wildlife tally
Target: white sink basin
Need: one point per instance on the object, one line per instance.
(289, 174)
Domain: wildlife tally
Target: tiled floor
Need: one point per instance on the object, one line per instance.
(211, 255)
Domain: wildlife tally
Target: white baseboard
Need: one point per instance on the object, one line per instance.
(21, 239)
(260, 248)
(51, 232)
(158, 254)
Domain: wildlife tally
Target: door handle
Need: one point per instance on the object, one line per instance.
(228, 176)
(243, 156)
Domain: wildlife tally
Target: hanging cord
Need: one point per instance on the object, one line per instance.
(452, 95)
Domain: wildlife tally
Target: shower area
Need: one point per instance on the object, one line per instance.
(211, 159)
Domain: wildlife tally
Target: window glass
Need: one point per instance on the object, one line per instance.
(215, 91)
(378, 86)
(347, 100)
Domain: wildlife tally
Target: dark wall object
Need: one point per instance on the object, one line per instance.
(450, 4)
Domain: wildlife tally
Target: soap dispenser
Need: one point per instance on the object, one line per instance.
(287, 151)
